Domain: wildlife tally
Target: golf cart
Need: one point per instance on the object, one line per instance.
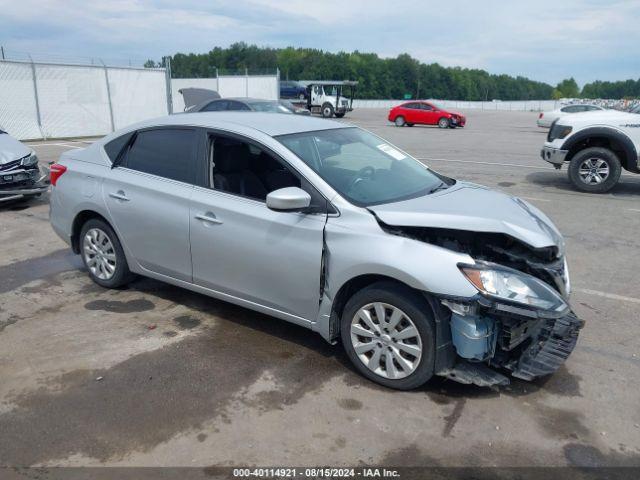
(328, 97)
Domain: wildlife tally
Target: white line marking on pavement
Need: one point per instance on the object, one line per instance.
(536, 167)
(634, 209)
(70, 146)
(611, 296)
(51, 144)
(535, 199)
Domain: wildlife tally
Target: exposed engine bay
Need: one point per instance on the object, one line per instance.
(487, 332)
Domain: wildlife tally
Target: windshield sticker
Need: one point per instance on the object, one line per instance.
(389, 150)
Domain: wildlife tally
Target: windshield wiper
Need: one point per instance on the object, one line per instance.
(441, 186)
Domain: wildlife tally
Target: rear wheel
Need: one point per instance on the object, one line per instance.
(389, 336)
(444, 123)
(103, 255)
(595, 170)
(399, 121)
(327, 110)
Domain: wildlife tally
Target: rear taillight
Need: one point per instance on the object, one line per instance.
(541, 115)
(56, 172)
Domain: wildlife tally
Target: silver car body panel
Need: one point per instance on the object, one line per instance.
(466, 206)
(272, 261)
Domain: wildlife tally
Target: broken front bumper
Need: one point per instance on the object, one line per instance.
(492, 339)
(18, 183)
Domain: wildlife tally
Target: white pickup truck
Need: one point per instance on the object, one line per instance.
(596, 145)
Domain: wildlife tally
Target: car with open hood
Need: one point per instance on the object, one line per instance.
(20, 175)
(330, 227)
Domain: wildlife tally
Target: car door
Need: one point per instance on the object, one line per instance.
(243, 249)
(410, 113)
(147, 194)
(428, 114)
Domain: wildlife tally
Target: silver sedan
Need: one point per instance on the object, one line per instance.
(327, 226)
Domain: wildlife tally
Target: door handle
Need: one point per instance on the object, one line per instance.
(208, 217)
(119, 195)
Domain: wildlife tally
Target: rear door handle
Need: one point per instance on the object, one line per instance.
(119, 195)
(208, 217)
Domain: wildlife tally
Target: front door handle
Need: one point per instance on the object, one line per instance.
(119, 195)
(208, 217)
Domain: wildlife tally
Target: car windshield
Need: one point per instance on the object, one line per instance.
(362, 167)
(635, 109)
(268, 107)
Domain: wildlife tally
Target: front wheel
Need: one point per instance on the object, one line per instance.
(444, 123)
(103, 255)
(389, 336)
(595, 170)
(399, 121)
(327, 110)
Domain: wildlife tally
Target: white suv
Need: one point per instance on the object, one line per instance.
(596, 145)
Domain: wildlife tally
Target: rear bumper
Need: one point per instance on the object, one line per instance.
(553, 155)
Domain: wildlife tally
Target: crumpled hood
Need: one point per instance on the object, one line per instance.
(11, 149)
(471, 207)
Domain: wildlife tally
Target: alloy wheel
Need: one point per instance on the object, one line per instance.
(593, 171)
(99, 254)
(386, 340)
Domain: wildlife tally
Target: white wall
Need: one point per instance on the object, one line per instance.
(524, 105)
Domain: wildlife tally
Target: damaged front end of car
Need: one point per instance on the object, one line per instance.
(519, 321)
(22, 178)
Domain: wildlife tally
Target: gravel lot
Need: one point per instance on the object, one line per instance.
(156, 375)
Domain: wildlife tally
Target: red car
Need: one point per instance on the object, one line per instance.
(424, 113)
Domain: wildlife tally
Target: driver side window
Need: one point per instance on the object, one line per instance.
(245, 169)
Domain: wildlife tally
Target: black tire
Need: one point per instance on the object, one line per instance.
(327, 110)
(340, 115)
(399, 121)
(122, 275)
(600, 158)
(416, 308)
(444, 122)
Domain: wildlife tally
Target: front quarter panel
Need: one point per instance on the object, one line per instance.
(356, 245)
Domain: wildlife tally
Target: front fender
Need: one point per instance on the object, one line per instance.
(631, 160)
(420, 265)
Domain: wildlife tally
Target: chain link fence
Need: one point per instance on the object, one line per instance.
(55, 100)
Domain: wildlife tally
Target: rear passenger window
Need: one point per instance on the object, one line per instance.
(167, 152)
(115, 146)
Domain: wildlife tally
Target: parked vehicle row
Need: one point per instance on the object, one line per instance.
(330, 227)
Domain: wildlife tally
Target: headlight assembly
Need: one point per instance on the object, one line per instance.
(506, 284)
(30, 161)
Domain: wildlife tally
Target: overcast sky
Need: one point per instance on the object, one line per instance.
(545, 40)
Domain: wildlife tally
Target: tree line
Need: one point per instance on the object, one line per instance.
(386, 78)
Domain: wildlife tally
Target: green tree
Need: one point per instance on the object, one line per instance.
(568, 88)
(377, 77)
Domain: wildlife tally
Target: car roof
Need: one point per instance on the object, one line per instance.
(271, 124)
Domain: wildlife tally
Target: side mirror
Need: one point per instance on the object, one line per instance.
(288, 199)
